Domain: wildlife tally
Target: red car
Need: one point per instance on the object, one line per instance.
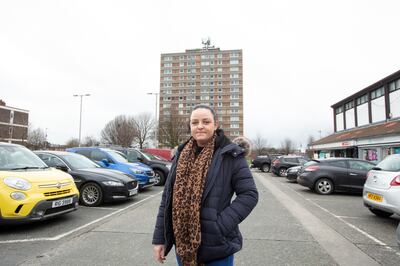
(164, 153)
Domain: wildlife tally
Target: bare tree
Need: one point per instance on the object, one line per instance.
(260, 145)
(89, 141)
(119, 131)
(287, 146)
(172, 130)
(72, 142)
(37, 138)
(145, 126)
(309, 152)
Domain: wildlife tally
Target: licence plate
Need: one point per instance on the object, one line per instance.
(375, 197)
(133, 192)
(61, 202)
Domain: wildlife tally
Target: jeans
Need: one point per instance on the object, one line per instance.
(228, 261)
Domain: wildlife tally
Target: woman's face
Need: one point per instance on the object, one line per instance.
(202, 126)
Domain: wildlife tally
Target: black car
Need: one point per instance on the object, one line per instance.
(291, 173)
(282, 163)
(160, 166)
(263, 162)
(335, 174)
(95, 184)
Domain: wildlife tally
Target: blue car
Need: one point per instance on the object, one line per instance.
(113, 160)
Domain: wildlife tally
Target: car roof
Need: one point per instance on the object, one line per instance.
(54, 152)
(337, 159)
(6, 144)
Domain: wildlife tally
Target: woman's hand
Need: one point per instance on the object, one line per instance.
(159, 253)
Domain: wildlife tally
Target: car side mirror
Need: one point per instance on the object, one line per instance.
(105, 162)
(61, 167)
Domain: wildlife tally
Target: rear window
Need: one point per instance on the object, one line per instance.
(390, 163)
(290, 160)
(310, 163)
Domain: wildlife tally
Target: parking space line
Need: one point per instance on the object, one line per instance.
(99, 208)
(336, 245)
(58, 237)
(341, 218)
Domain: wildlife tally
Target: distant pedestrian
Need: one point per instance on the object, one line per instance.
(197, 213)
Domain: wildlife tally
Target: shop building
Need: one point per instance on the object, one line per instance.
(366, 124)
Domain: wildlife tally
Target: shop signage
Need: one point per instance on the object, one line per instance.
(347, 143)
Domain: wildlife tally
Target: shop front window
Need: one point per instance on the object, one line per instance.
(371, 155)
(396, 150)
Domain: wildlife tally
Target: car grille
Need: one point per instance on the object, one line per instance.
(132, 185)
(56, 193)
(57, 185)
(59, 209)
(149, 173)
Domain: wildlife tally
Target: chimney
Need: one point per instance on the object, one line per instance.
(2, 103)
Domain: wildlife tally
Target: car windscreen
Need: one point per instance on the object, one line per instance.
(390, 163)
(153, 157)
(118, 157)
(77, 161)
(16, 158)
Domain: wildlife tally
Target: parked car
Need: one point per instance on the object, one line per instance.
(291, 173)
(160, 166)
(166, 154)
(263, 162)
(96, 184)
(381, 193)
(30, 190)
(282, 163)
(325, 176)
(113, 160)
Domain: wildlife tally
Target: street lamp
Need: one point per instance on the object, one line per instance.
(155, 117)
(80, 114)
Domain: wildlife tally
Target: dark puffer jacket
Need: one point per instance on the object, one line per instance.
(219, 217)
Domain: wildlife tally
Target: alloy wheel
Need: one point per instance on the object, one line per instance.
(324, 186)
(91, 194)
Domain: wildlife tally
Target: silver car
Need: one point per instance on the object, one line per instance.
(381, 194)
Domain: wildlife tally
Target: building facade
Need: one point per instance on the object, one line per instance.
(13, 124)
(366, 124)
(201, 76)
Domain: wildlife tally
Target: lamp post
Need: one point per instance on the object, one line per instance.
(80, 114)
(155, 118)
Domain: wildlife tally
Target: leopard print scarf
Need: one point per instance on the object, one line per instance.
(188, 190)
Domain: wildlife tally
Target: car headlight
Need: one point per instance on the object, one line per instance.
(113, 183)
(17, 183)
(168, 166)
(136, 171)
(18, 196)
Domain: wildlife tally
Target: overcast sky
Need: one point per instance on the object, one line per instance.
(299, 58)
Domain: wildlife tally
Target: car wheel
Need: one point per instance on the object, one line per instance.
(381, 213)
(91, 195)
(282, 172)
(323, 186)
(159, 178)
(265, 168)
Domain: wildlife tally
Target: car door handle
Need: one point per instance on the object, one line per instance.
(352, 174)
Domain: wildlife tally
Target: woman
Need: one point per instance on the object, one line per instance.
(196, 213)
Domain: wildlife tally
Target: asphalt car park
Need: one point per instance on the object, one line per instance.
(63, 226)
(346, 214)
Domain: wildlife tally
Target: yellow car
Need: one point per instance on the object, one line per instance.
(29, 189)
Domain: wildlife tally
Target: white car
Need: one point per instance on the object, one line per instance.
(381, 194)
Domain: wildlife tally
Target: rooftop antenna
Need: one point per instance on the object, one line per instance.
(206, 43)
